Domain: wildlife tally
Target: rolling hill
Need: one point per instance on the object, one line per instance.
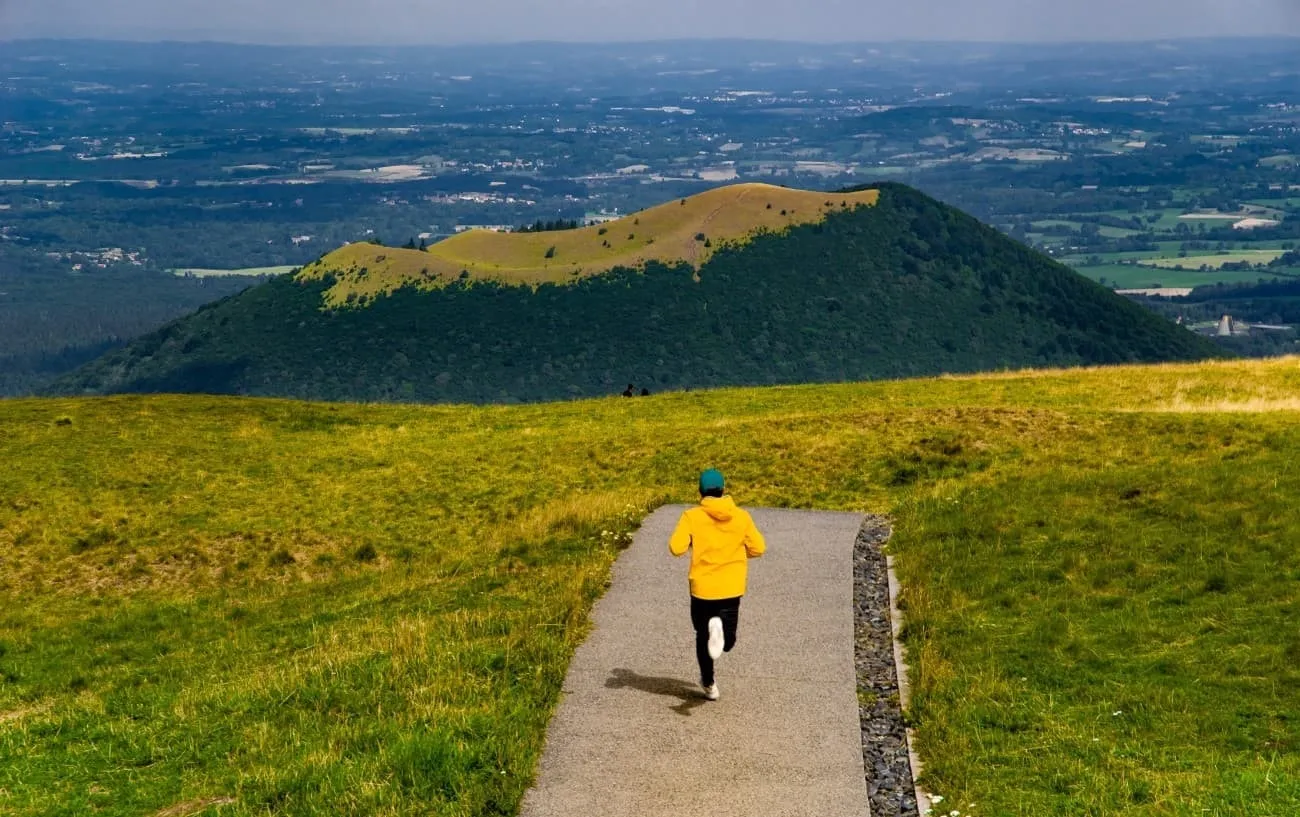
(719, 290)
(682, 231)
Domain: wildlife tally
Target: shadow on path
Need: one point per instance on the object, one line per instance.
(689, 694)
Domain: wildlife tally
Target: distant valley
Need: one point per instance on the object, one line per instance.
(124, 166)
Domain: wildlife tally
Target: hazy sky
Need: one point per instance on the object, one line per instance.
(441, 21)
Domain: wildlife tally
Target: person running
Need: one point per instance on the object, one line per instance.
(722, 538)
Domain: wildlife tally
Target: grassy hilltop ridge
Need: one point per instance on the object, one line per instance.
(903, 287)
(676, 232)
(368, 609)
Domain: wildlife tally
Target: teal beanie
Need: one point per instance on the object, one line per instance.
(711, 480)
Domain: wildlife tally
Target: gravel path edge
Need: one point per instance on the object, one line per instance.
(923, 804)
(890, 765)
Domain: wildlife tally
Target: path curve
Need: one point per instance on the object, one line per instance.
(632, 737)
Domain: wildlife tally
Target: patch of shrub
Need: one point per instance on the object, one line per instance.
(280, 558)
(365, 553)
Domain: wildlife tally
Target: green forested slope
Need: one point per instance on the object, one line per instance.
(908, 287)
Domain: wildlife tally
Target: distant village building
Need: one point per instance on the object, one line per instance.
(1226, 327)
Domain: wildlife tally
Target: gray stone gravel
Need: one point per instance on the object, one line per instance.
(884, 736)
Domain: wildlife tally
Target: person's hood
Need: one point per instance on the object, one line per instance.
(721, 509)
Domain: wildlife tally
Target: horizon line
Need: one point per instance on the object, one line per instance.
(220, 40)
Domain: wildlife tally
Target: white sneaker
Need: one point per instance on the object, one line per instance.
(716, 640)
(711, 692)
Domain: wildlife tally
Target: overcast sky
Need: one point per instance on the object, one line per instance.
(443, 21)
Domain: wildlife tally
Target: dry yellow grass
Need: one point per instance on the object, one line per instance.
(1248, 406)
(13, 716)
(667, 233)
(193, 807)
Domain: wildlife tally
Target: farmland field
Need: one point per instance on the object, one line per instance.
(1134, 276)
(1216, 261)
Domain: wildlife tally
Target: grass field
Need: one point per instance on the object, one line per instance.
(686, 230)
(1105, 230)
(1281, 160)
(1131, 276)
(245, 607)
(1215, 261)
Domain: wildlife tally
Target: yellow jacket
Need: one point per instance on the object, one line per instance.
(721, 538)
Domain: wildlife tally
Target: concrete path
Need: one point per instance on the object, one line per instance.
(634, 738)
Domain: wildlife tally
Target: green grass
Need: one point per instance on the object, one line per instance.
(1281, 204)
(1116, 257)
(1132, 276)
(1170, 219)
(1107, 231)
(1117, 232)
(1056, 222)
(347, 609)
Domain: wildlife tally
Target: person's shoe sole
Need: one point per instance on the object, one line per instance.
(716, 640)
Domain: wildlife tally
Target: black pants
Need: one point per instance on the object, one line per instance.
(701, 611)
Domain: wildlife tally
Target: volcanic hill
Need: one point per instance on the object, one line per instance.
(749, 284)
(686, 230)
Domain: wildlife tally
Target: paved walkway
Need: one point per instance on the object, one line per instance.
(632, 736)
